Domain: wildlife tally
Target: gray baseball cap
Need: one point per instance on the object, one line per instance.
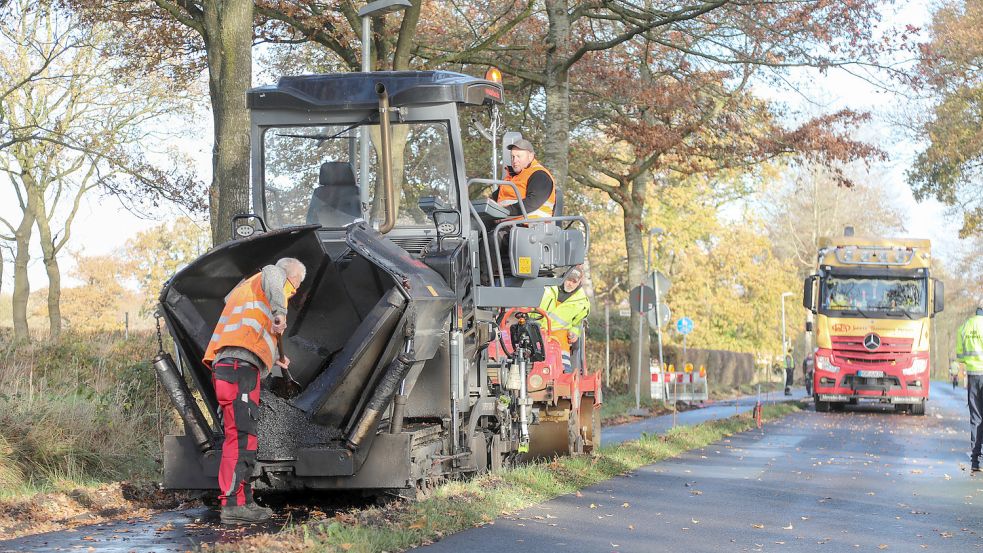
(522, 144)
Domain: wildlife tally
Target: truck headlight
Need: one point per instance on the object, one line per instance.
(918, 366)
(826, 364)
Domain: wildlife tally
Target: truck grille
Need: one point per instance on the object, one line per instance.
(851, 350)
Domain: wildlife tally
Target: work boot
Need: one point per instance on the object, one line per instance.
(244, 514)
(256, 507)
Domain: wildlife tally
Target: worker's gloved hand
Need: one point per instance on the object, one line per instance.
(279, 324)
(283, 362)
(571, 337)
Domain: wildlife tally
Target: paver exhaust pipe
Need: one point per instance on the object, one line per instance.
(386, 158)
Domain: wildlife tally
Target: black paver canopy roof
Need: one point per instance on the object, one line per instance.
(357, 90)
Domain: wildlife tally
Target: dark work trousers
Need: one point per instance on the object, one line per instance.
(974, 389)
(576, 363)
(789, 377)
(237, 390)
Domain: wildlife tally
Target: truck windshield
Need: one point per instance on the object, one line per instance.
(883, 296)
(311, 173)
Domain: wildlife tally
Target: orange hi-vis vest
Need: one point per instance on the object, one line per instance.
(506, 195)
(246, 322)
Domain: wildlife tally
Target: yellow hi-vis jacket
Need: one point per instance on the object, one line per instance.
(969, 344)
(565, 315)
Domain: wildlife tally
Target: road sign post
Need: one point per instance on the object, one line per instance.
(607, 342)
(658, 281)
(684, 326)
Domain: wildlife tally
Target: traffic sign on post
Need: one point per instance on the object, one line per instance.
(635, 297)
(664, 313)
(684, 325)
(657, 279)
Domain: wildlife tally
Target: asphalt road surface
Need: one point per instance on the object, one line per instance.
(181, 530)
(864, 480)
(813, 482)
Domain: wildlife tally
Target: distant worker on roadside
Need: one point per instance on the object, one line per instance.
(537, 187)
(244, 348)
(969, 352)
(789, 371)
(567, 306)
(954, 373)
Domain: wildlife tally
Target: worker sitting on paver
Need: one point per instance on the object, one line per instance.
(536, 186)
(567, 306)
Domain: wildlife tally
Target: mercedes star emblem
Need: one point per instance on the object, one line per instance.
(872, 341)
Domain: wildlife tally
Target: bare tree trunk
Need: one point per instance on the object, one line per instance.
(635, 247)
(22, 287)
(228, 37)
(557, 148)
(50, 255)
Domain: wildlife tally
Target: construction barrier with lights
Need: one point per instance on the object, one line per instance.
(687, 385)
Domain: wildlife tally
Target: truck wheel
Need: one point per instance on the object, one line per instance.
(575, 442)
(918, 409)
(822, 406)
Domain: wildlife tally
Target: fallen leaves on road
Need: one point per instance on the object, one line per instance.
(757, 526)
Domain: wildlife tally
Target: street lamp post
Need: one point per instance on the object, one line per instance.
(784, 339)
(367, 12)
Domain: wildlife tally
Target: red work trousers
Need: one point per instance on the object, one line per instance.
(237, 390)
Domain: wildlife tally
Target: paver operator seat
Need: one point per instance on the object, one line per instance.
(335, 201)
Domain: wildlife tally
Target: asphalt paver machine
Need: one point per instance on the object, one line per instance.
(361, 176)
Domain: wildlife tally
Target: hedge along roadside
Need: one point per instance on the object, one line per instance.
(727, 369)
(458, 506)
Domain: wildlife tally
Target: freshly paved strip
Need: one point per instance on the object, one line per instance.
(865, 480)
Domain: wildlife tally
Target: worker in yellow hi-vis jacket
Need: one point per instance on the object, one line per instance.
(567, 306)
(969, 352)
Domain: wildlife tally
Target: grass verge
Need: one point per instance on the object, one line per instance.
(460, 505)
(76, 412)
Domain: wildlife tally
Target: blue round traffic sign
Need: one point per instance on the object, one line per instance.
(684, 325)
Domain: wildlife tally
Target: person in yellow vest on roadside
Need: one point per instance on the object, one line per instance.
(244, 347)
(537, 187)
(969, 352)
(567, 306)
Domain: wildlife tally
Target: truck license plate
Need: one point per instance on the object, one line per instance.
(870, 374)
